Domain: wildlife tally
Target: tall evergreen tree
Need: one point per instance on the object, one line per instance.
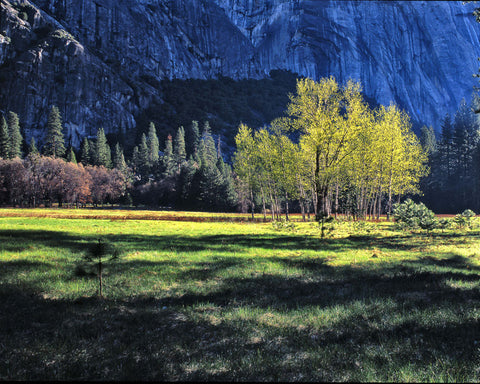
(153, 145)
(180, 153)
(103, 154)
(136, 159)
(71, 158)
(4, 139)
(32, 147)
(168, 159)
(207, 150)
(54, 143)
(446, 148)
(119, 159)
(143, 153)
(194, 137)
(85, 152)
(15, 137)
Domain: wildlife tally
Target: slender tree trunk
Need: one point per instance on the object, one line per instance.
(336, 200)
(252, 202)
(286, 207)
(263, 206)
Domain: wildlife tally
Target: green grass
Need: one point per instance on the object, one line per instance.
(238, 301)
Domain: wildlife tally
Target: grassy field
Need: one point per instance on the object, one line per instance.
(236, 301)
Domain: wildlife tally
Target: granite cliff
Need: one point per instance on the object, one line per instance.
(102, 62)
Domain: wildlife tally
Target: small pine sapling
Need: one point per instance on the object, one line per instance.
(100, 253)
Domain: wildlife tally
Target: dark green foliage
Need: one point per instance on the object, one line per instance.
(464, 219)
(15, 137)
(168, 159)
(54, 142)
(153, 145)
(143, 156)
(103, 154)
(71, 158)
(207, 151)
(4, 139)
(454, 182)
(135, 162)
(411, 215)
(119, 159)
(100, 253)
(194, 137)
(32, 147)
(180, 154)
(85, 151)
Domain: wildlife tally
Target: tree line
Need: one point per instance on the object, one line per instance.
(454, 158)
(179, 177)
(331, 154)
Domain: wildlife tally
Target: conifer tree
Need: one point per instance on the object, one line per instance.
(85, 152)
(180, 153)
(54, 143)
(168, 160)
(119, 159)
(144, 155)
(103, 154)
(4, 141)
(153, 145)
(195, 137)
(136, 159)
(207, 150)
(15, 137)
(71, 158)
(32, 147)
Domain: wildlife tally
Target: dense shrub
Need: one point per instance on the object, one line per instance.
(464, 219)
(411, 215)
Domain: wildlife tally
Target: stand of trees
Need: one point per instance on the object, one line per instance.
(454, 182)
(331, 154)
(190, 178)
(347, 157)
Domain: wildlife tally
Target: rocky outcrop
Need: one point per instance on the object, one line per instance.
(42, 64)
(419, 54)
(102, 61)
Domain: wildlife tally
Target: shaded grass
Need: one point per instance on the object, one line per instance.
(231, 301)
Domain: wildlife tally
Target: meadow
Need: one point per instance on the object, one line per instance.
(226, 300)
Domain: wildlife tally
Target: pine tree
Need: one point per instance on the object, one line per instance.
(15, 137)
(119, 159)
(194, 137)
(207, 150)
(85, 152)
(4, 139)
(168, 160)
(143, 153)
(153, 145)
(71, 158)
(32, 147)
(54, 144)
(103, 154)
(180, 153)
(136, 159)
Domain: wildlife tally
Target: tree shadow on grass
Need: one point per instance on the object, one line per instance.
(189, 338)
(28, 240)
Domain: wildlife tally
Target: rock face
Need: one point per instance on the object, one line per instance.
(102, 61)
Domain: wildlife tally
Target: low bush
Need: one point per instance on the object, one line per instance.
(464, 219)
(409, 215)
